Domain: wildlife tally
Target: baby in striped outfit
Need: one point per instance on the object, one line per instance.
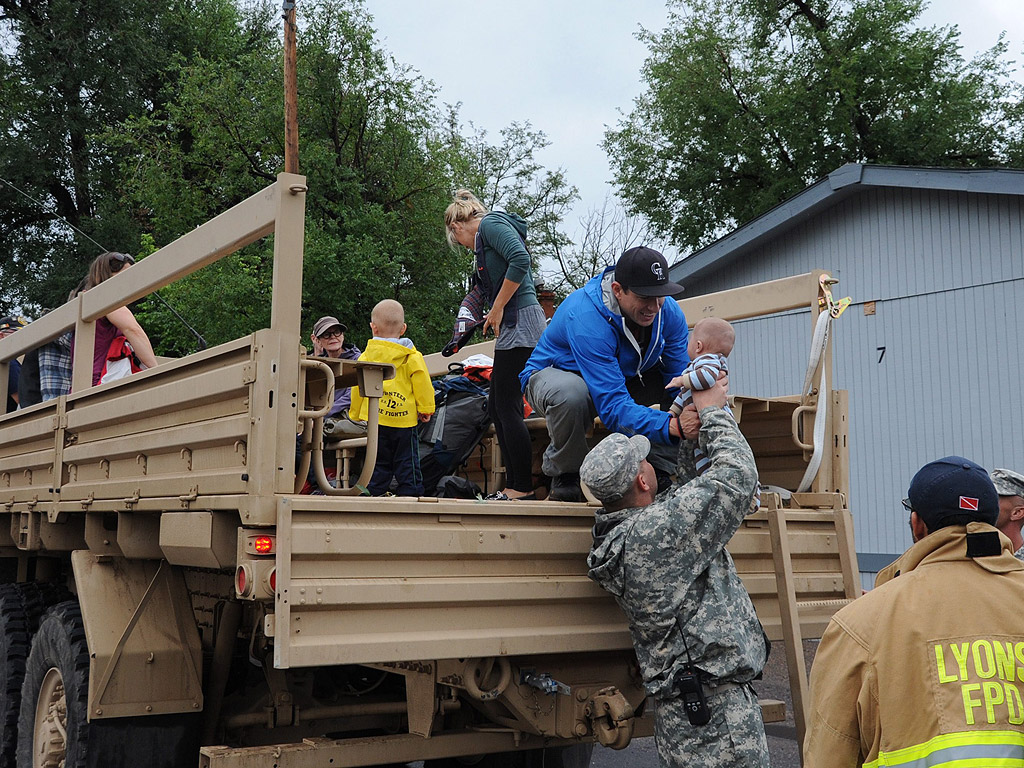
(711, 341)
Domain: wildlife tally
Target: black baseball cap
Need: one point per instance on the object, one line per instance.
(644, 271)
(8, 322)
(952, 490)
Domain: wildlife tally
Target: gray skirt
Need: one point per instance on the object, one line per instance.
(527, 330)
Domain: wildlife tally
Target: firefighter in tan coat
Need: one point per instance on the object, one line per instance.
(928, 668)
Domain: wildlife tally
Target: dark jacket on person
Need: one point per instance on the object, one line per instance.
(13, 374)
(343, 395)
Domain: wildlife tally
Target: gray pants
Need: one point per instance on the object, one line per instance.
(734, 738)
(563, 399)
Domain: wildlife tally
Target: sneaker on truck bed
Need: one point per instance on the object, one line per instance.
(566, 488)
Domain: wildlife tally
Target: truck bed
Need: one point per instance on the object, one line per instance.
(359, 580)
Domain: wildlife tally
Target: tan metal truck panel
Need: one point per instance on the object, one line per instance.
(148, 658)
(181, 429)
(412, 580)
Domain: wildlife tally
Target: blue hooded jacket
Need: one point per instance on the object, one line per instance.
(588, 336)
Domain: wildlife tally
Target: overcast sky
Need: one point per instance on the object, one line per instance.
(571, 66)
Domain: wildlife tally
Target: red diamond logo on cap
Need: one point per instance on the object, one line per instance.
(966, 502)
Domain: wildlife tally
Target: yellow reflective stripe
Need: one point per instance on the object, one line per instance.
(971, 749)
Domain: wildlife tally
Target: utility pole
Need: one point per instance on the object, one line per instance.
(291, 106)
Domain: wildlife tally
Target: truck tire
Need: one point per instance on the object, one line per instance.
(53, 728)
(14, 643)
(21, 605)
(573, 756)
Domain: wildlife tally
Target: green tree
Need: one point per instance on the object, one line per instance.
(748, 102)
(200, 128)
(68, 70)
(378, 172)
(381, 161)
(508, 175)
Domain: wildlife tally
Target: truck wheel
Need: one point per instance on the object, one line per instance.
(39, 598)
(21, 605)
(14, 644)
(53, 728)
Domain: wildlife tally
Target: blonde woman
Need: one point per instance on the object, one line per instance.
(503, 272)
(118, 322)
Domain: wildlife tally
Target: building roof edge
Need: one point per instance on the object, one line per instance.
(841, 183)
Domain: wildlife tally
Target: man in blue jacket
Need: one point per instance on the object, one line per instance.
(609, 351)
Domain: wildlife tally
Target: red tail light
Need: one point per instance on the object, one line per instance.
(260, 544)
(242, 580)
(263, 545)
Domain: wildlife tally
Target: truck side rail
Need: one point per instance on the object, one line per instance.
(276, 209)
(271, 396)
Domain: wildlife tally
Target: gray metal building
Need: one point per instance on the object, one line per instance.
(932, 349)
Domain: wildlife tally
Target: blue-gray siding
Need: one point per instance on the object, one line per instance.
(946, 271)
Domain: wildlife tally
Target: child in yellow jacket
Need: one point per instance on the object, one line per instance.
(408, 399)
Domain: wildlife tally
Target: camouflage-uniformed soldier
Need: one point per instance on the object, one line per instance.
(665, 562)
(1010, 487)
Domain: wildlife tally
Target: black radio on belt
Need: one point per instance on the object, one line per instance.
(689, 688)
(692, 693)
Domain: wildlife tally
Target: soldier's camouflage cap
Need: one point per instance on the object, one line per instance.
(613, 464)
(1008, 482)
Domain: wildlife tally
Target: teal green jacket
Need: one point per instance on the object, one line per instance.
(500, 243)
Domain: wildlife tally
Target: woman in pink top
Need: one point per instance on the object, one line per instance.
(118, 322)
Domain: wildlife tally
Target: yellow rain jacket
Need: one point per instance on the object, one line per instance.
(928, 668)
(408, 394)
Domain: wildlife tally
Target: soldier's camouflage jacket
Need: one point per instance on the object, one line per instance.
(668, 560)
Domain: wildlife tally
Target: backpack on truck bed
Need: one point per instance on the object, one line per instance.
(459, 423)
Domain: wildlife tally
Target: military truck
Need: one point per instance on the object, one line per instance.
(169, 598)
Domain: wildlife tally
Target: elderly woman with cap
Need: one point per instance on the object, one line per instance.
(328, 339)
(118, 322)
(503, 273)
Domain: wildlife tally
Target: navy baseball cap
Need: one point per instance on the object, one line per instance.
(953, 490)
(644, 271)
